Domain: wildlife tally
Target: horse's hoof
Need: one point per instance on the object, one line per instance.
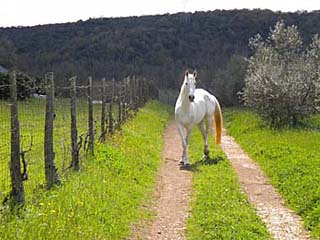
(205, 157)
(186, 166)
(206, 152)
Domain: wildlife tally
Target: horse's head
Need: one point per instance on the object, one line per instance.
(190, 84)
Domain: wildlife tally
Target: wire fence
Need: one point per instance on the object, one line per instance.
(43, 137)
(4, 148)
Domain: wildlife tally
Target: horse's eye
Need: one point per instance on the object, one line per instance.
(186, 83)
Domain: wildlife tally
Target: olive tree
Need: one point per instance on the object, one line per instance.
(282, 80)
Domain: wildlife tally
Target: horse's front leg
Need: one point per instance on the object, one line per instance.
(184, 143)
(186, 160)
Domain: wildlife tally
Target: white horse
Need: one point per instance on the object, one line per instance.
(195, 106)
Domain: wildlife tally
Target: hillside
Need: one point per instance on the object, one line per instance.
(160, 47)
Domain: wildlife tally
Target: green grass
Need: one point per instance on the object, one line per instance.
(104, 198)
(289, 157)
(32, 124)
(220, 210)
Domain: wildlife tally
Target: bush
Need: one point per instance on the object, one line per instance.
(26, 86)
(283, 79)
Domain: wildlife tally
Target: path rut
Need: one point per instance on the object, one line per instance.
(173, 192)
(281, 222)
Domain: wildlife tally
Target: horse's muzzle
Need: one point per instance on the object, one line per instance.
(191, 98)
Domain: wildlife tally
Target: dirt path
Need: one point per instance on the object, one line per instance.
(281, 222)
(173, 193)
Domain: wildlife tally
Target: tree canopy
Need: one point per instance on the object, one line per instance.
(158, 47)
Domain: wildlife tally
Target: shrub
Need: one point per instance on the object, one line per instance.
(26, 86)
(283, 79)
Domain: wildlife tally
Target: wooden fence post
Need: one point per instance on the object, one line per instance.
(137, 93)
(17, 191)
(74, 132)
(90, 117)
(136, 83)
(134, 93)
(103, 111)
(143, 89)
(130, 93)
(111, 127)
(123, 112)
(127, 97)
(119, 111)
(50, 169)
(140, 91)
(124, 99)
(147, 90)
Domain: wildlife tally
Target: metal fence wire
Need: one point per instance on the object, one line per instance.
(56, 131)
(4, 148)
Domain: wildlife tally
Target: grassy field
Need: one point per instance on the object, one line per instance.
(102, 200)
(32, 120)
(289, 157)
(219, 209)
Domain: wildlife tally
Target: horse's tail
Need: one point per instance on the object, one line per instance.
(218, 122)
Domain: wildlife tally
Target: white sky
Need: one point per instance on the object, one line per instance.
(34, 12)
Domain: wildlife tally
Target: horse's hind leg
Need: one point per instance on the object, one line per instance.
(204, 130)
(184, 143)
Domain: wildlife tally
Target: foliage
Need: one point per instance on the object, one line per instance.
(290, 158)
(103, 199)
(220, 210)
(230, 81)
(157, 47)
(8, 57)
(26, 86)
(283, 79)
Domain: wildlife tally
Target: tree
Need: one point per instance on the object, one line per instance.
(25, 86)
(282, 81)
(8, 56)
(158, 47)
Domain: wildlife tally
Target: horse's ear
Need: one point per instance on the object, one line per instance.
(186, 73)
(195, 73)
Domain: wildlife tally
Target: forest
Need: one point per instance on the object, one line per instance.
(159, 47)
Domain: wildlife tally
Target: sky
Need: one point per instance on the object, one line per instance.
(35, 12)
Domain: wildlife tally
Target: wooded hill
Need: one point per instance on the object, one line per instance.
(159, 47)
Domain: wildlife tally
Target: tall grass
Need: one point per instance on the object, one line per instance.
(102, 200)
(289, 157)
(32, 124)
